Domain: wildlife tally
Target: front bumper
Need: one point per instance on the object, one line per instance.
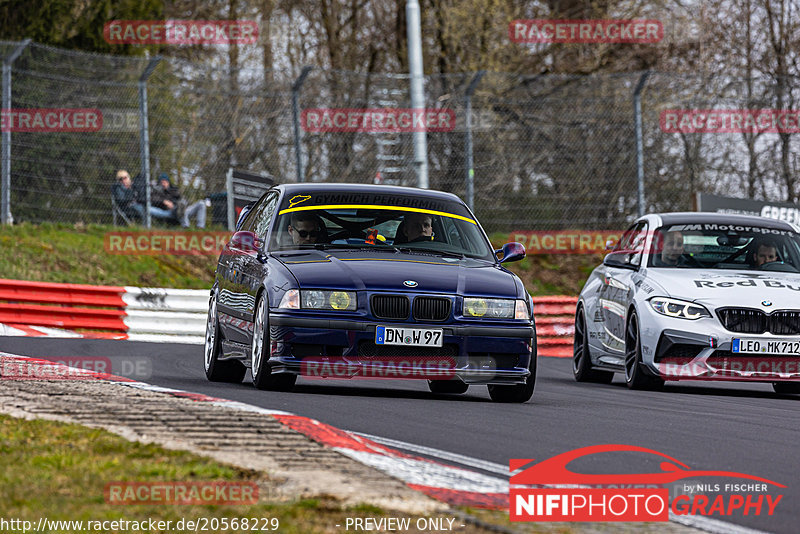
(475, 354)
(686, 355)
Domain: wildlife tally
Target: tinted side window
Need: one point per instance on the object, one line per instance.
(638, 239)
(247, 224)
(625, 240)
(632, 242)
(264, 216)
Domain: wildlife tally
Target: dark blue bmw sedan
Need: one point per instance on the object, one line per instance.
(349, 281)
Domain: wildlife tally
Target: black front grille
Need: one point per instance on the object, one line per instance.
(751, 321)
(785, 323)
(390, 306)
(431, 308)
(743, 320)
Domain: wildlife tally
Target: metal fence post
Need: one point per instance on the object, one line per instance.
(637, 115)
(229, 200)
(470, 170)
(296, 86)
(144, 135)
(413, 35)
(5, 195)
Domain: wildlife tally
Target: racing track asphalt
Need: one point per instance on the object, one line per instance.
(710, 426)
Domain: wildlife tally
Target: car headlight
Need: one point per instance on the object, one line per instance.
(318, 299)
(495, 308)
(678, 308)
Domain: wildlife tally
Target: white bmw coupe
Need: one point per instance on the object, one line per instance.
(694, 296)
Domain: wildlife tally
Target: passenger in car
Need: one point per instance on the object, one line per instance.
(415, 227)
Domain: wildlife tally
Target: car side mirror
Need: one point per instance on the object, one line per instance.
(620, 259)
(512, 252)
(245, 241)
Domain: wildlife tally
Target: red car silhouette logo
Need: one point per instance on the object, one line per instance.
(554, 470)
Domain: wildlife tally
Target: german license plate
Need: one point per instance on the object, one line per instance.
(766, 346)
(409, 337)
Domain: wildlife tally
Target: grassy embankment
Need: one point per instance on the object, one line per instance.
(76, 254)
(59, 471)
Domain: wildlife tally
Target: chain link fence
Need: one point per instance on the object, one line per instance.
(547, 152)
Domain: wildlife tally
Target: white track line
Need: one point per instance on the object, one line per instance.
(460, 459)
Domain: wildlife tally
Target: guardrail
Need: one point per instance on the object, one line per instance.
(119, 312)
(179, 315)
(555, 325)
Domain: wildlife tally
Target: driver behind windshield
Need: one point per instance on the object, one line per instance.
(671, 250)
(304, 228)
(767, 252)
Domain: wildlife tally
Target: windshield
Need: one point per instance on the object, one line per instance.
(448, 230)
(722, 246)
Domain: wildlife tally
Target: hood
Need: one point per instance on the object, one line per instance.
(749, 289)
(378, 271)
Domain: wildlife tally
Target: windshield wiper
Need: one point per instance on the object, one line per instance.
(351, 246)
(443, 253)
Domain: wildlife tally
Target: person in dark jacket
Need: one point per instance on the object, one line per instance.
(164, 199)
(125, 196)
(168, 203)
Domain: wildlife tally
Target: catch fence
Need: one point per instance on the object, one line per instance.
(539, 152)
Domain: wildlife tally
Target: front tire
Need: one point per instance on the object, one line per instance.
(263, 377)
(517, 393)
(786, 388)
(635, 375)
(581, 359)
(216, 370)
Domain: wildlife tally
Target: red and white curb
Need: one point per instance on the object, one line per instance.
(449, 484)
(23, 330)
(453, 485)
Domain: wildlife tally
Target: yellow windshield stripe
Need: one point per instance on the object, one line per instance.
(376, 207)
